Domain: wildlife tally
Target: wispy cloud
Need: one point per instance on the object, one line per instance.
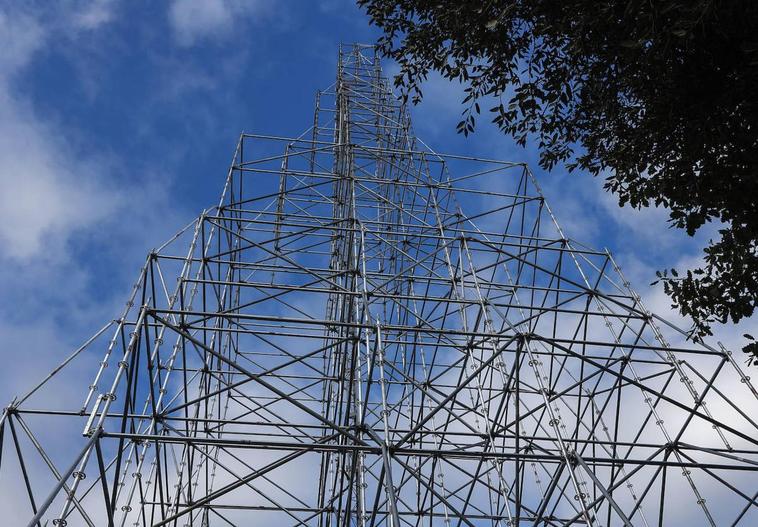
(94, 14)
(194, 21)
(20, 36)
(48, 191)
(61, 203)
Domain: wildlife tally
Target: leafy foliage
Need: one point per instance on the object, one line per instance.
(660, 97)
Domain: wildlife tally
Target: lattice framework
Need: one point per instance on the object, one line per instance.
(366, 332)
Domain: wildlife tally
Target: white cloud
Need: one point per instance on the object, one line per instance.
(47, 191)
(54, 194)
(20, 36)
(197, 20)
(94, 14)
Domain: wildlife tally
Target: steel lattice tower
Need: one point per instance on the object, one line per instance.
(366, 332)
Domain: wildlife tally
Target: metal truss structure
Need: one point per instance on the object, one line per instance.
(366, 332)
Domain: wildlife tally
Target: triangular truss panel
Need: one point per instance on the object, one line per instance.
(366, 332)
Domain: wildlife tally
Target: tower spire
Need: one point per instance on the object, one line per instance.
(366, 332)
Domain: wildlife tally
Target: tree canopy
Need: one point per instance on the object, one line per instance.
(660, 98)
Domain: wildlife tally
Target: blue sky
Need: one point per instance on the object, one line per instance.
(117, 123)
